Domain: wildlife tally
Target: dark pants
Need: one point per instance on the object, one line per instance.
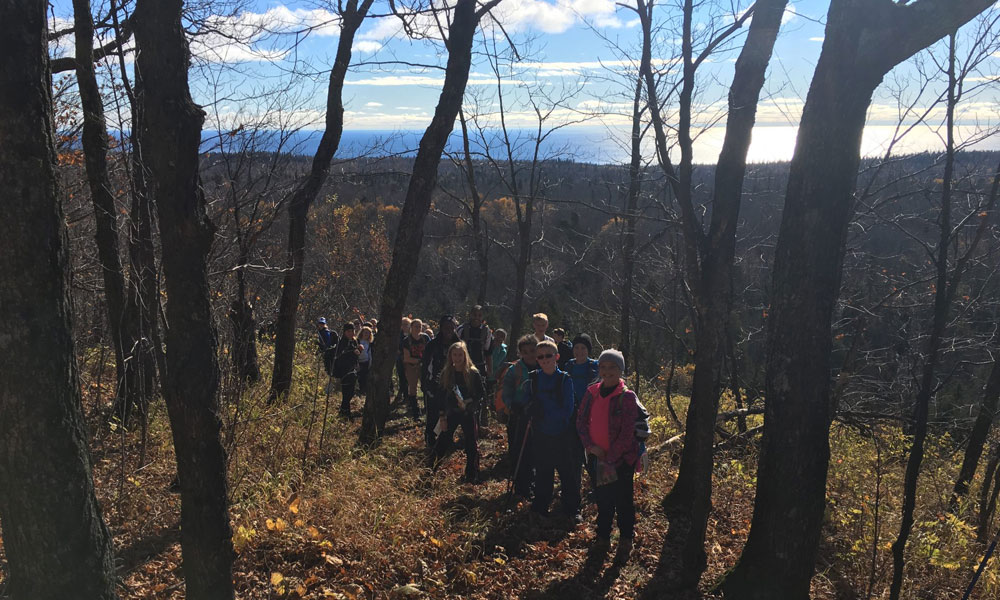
(363, 369)
(433, 414)
(617, 497)
(556, 454)
(470, 431)
(518, 436)
(347, 385)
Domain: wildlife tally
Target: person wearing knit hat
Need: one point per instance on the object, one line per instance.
(614, 356)
(584, 339)
(606, 426)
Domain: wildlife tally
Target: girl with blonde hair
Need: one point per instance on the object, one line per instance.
(460, 393)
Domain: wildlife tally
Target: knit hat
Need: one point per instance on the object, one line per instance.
(613, 356)
(584, 339)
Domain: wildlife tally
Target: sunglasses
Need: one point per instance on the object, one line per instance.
(544, 356)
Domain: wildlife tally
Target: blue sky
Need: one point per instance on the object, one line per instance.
(569, 65)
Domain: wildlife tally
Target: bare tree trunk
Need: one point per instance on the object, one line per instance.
(244, 330)
(409, 236)
(939, 320)
(630, 216)
(977, 439)
(143, 352)
(710, 264)
(298, 207)
(480, 241)
(170, 128)
(55, 540)
(988, 495)
(95, 148)
(864, 40)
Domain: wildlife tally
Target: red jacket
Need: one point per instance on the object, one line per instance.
(623, 410)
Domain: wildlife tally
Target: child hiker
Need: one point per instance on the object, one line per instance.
(460, 393)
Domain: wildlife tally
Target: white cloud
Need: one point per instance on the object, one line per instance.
(250, 36)
(816, 39)
(391, 80)
(367, 46)
(373, 104)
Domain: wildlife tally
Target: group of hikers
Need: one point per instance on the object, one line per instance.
(563, 409)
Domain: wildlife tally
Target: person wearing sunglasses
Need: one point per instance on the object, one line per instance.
(551, 407)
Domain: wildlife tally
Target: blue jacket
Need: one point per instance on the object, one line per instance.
(551, 403)
(583, 375)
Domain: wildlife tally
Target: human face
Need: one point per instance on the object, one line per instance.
(527, 354)
(558, 337)
(540, 326)
(447, 329)
(475, 317)
(404, 325)
(500, 338)
(457, 358)
(350, 333)
(580, 352)
(610, 373)
(546, 358)
(416, 329)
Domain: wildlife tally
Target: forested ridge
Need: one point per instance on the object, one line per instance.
(812, 345)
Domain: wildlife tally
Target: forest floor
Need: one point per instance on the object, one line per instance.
(350, 522)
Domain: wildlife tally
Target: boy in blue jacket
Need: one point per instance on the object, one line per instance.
(551, 405)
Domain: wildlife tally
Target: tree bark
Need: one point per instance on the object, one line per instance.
(170, 127)
(409, 236)
(977, 439)
(304, 195)
(55, 540)
(864, 40)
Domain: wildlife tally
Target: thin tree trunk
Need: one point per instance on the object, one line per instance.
(710, 264)
(977, 439)
(95, 148)
(630, 216)
(863, 41)
(480, 242)
(55, 540)
(298, 207)
(939, 320)
(988, 495)
(170, 128)
(409, 236)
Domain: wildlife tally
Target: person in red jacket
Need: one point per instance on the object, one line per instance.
(606, 424)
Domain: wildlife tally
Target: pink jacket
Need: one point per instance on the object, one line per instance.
(622, 413)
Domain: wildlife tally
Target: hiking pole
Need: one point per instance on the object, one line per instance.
(312, 416)
(520, 455)
(326, 413)
(982, 566)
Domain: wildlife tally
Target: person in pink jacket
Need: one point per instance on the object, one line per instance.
(606, 424)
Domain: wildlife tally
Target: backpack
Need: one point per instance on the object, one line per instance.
(498, 404)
